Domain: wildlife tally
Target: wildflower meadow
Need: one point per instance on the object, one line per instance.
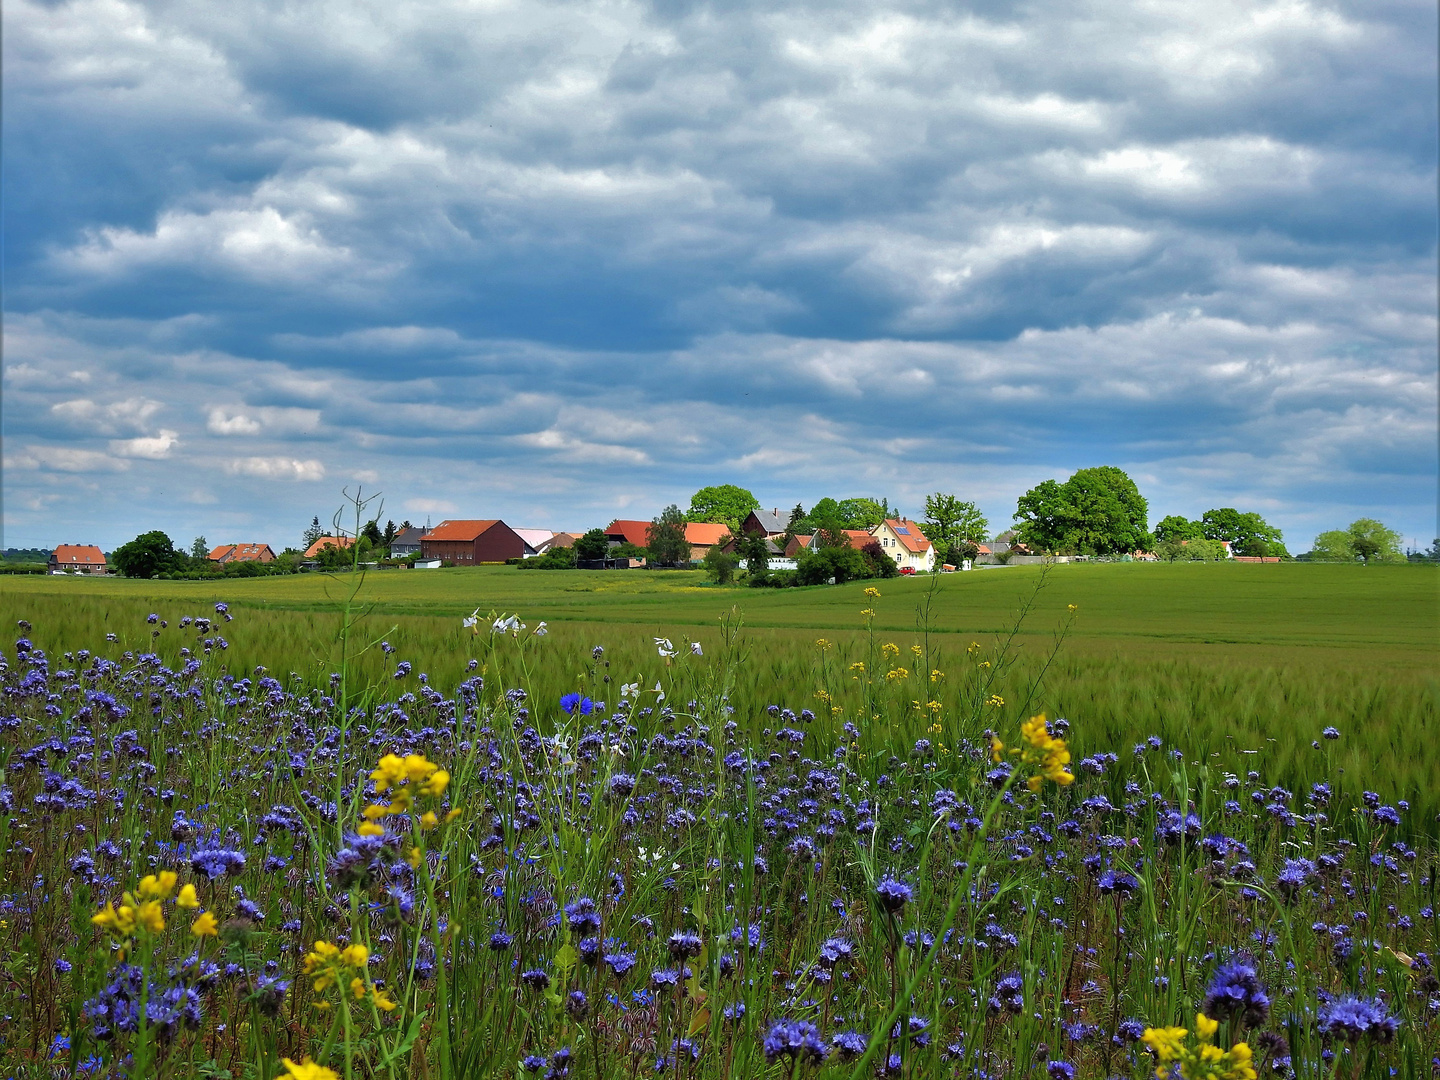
(541, 862)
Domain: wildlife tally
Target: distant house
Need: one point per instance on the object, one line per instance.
(406, 542)
(228, 553)
(903, 541)
(856, 538)
(313, 551)
(78, 559)
(467, 543)
(797, 544)
(628, 532)
(766, 523)
(703, 535)
(563, 540)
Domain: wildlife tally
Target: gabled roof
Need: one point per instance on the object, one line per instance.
(326, 542)
(909, 534)
(411, 535)
(772, 521)
(706, 533)
(630, 532)
(78, 555)
(535, 539)
(239, 552)
(460, 530)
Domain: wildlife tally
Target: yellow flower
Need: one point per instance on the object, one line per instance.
(413, 858)
(889, 650)
(308, 1070)
(859, 666)
(205, 925)
(356, 956)
(995, 701)
(120, 923)
(187, 897)
(974, 648)
(896, 673)
(872, 592)
(1072, 607)
(937, 675)
(157, 888)
(997, 749)
(381, 1001)
(1205, 1027)
(823, 644)
(1167, 1043)
(150, 916)
(917, 650)
(428, 820)
(435, 785)
(371, 828)
(867, 613)
(453, 814)
(357, 988)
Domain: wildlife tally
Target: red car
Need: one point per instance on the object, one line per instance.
(907, 569)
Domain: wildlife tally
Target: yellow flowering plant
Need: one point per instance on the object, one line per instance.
(1042, 751)
(1201, 1059)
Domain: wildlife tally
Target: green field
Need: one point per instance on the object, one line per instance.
(1222, 659)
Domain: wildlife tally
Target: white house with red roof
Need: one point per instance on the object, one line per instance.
(903, 541)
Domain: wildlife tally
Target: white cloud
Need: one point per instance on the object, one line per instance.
(277, 468)
(153, 447)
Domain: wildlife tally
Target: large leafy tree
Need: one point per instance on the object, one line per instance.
(1248, 533)
(951, 521)
(666, 538)
(863, 513)
(1097, 511)
(725, 504)
(593, 545)
(148, 554)
(1175, 528)
(1366, 539)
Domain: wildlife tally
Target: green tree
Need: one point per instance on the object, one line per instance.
(863, 513)
(1175, 527)
(824, 516)
(593, 545)
(148, 554)
(950, 521)
(390, 532)
(1366, 539)
(312, 533)
(841, 563)
(756, 553)
(720, 565)
(878, 562)
(723, 504)
(1248, 534)
(1097, 511)
(199, 549)
(665, 538)
(371, 534)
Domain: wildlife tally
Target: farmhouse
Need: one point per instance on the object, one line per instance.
(903, 541)
(703, 535)
(628, 532)
(328, 542)
(467, 543)
(767, 523)
(78, 559)
(228, 553)
(539, 541)
(406, 542)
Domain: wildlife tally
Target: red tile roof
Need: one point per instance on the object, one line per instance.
(240, 553)
(632, 532)
(459, 530)
(706, 533)
(327, 541)
(909, 534)
(79, 555)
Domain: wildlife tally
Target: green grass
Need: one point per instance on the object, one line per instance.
(1225, 659)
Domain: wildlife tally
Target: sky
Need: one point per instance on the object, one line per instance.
(560, 262)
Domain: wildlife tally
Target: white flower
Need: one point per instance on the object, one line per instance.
(660, 694)
(695, 649)
(473, 619)
(541, 630)
(629, 689)
(667, 650)
(508, 624)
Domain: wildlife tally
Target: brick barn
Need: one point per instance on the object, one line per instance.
(467, 543)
